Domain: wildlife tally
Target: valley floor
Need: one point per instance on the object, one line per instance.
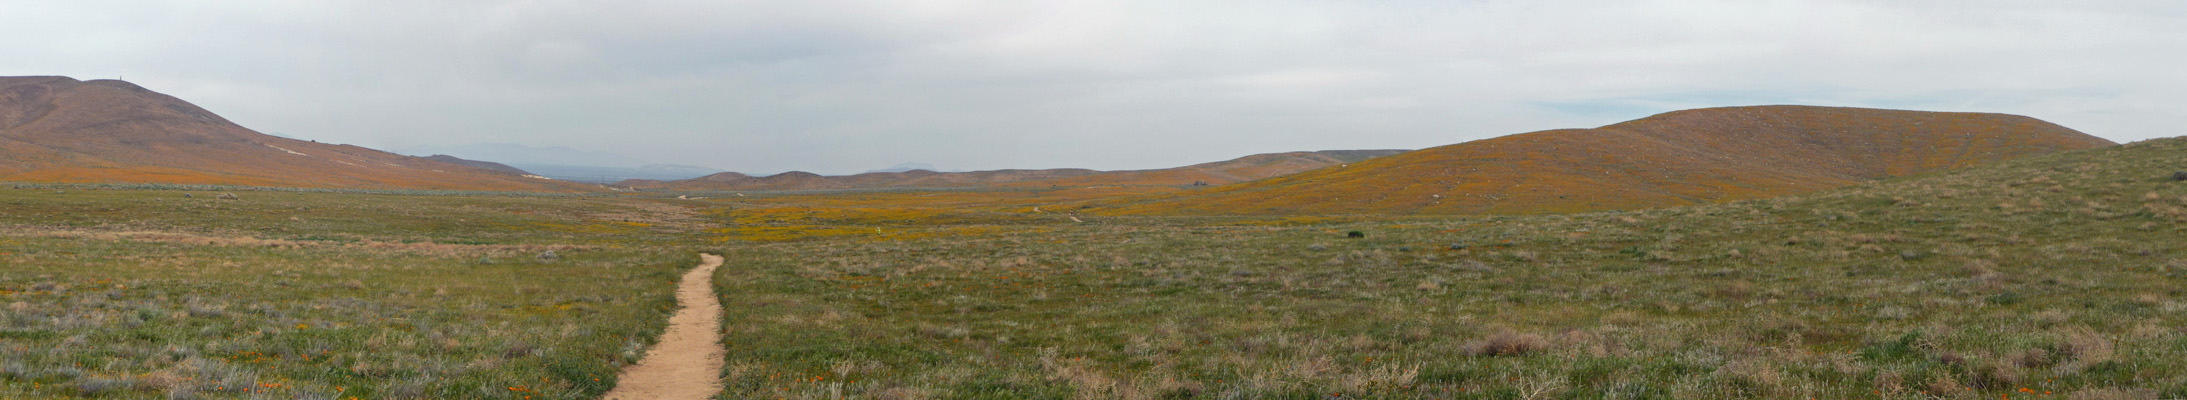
(2049, 277)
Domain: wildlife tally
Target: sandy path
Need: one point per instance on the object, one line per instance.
(686, 364)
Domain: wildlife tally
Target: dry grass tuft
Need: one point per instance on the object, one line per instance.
(2085, 347)
(2113, 394)
(2032, 358)
(1944, 384)
(902, 393)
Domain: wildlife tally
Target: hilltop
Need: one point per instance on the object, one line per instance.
(1242, 169)
(58, 129)
(1678, 158)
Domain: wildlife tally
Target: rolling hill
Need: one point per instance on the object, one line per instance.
(801, 180)
(58, 129)
(1677, 158)
(486, 165)
(1215, 173)
(1248, 168)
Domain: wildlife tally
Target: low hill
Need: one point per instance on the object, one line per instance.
(1215, 173)
(1677, 158)
(800, 180)
(1248, 168)
(57, 129)
(486, 165)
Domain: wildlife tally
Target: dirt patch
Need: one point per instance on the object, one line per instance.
(687, 363)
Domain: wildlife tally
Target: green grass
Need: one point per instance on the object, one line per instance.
(148, 294)
(2051, 277)
(1929, 286)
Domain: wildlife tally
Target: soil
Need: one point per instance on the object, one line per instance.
(687, 363)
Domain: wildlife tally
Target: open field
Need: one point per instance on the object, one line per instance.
(2055, 276)
(148, 294)
(2049, 277)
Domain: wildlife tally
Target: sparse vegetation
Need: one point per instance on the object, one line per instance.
(2049, 277)
(1680, 158)
(1921, 287)
(151, 294)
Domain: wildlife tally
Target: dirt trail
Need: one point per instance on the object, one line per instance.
(686, 364)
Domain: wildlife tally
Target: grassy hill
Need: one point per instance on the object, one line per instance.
(1679, 158)
(57, 129)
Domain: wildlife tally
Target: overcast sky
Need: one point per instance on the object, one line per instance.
(846, 86)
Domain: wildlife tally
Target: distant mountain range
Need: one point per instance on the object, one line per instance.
(908, 167)
(1242, 169)
(523, 154)
(486, 165)
(566, 163)
(600, 174)
(58, 129)
(1215, 173)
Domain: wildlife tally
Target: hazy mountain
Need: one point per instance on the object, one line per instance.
(1215, 173)
(567, 163)
(1241, 169)
(522, 154)
(906, 167)
(488, 165)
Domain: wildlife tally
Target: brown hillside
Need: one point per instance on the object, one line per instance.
(1671, 159)
(57, 129)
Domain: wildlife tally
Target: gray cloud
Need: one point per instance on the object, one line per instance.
(845, 86)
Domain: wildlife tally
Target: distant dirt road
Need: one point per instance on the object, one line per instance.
(687, 363)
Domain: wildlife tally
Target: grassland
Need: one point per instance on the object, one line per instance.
(1680, 158)
(151, 294)
(2056, 276)
(2049, 277)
